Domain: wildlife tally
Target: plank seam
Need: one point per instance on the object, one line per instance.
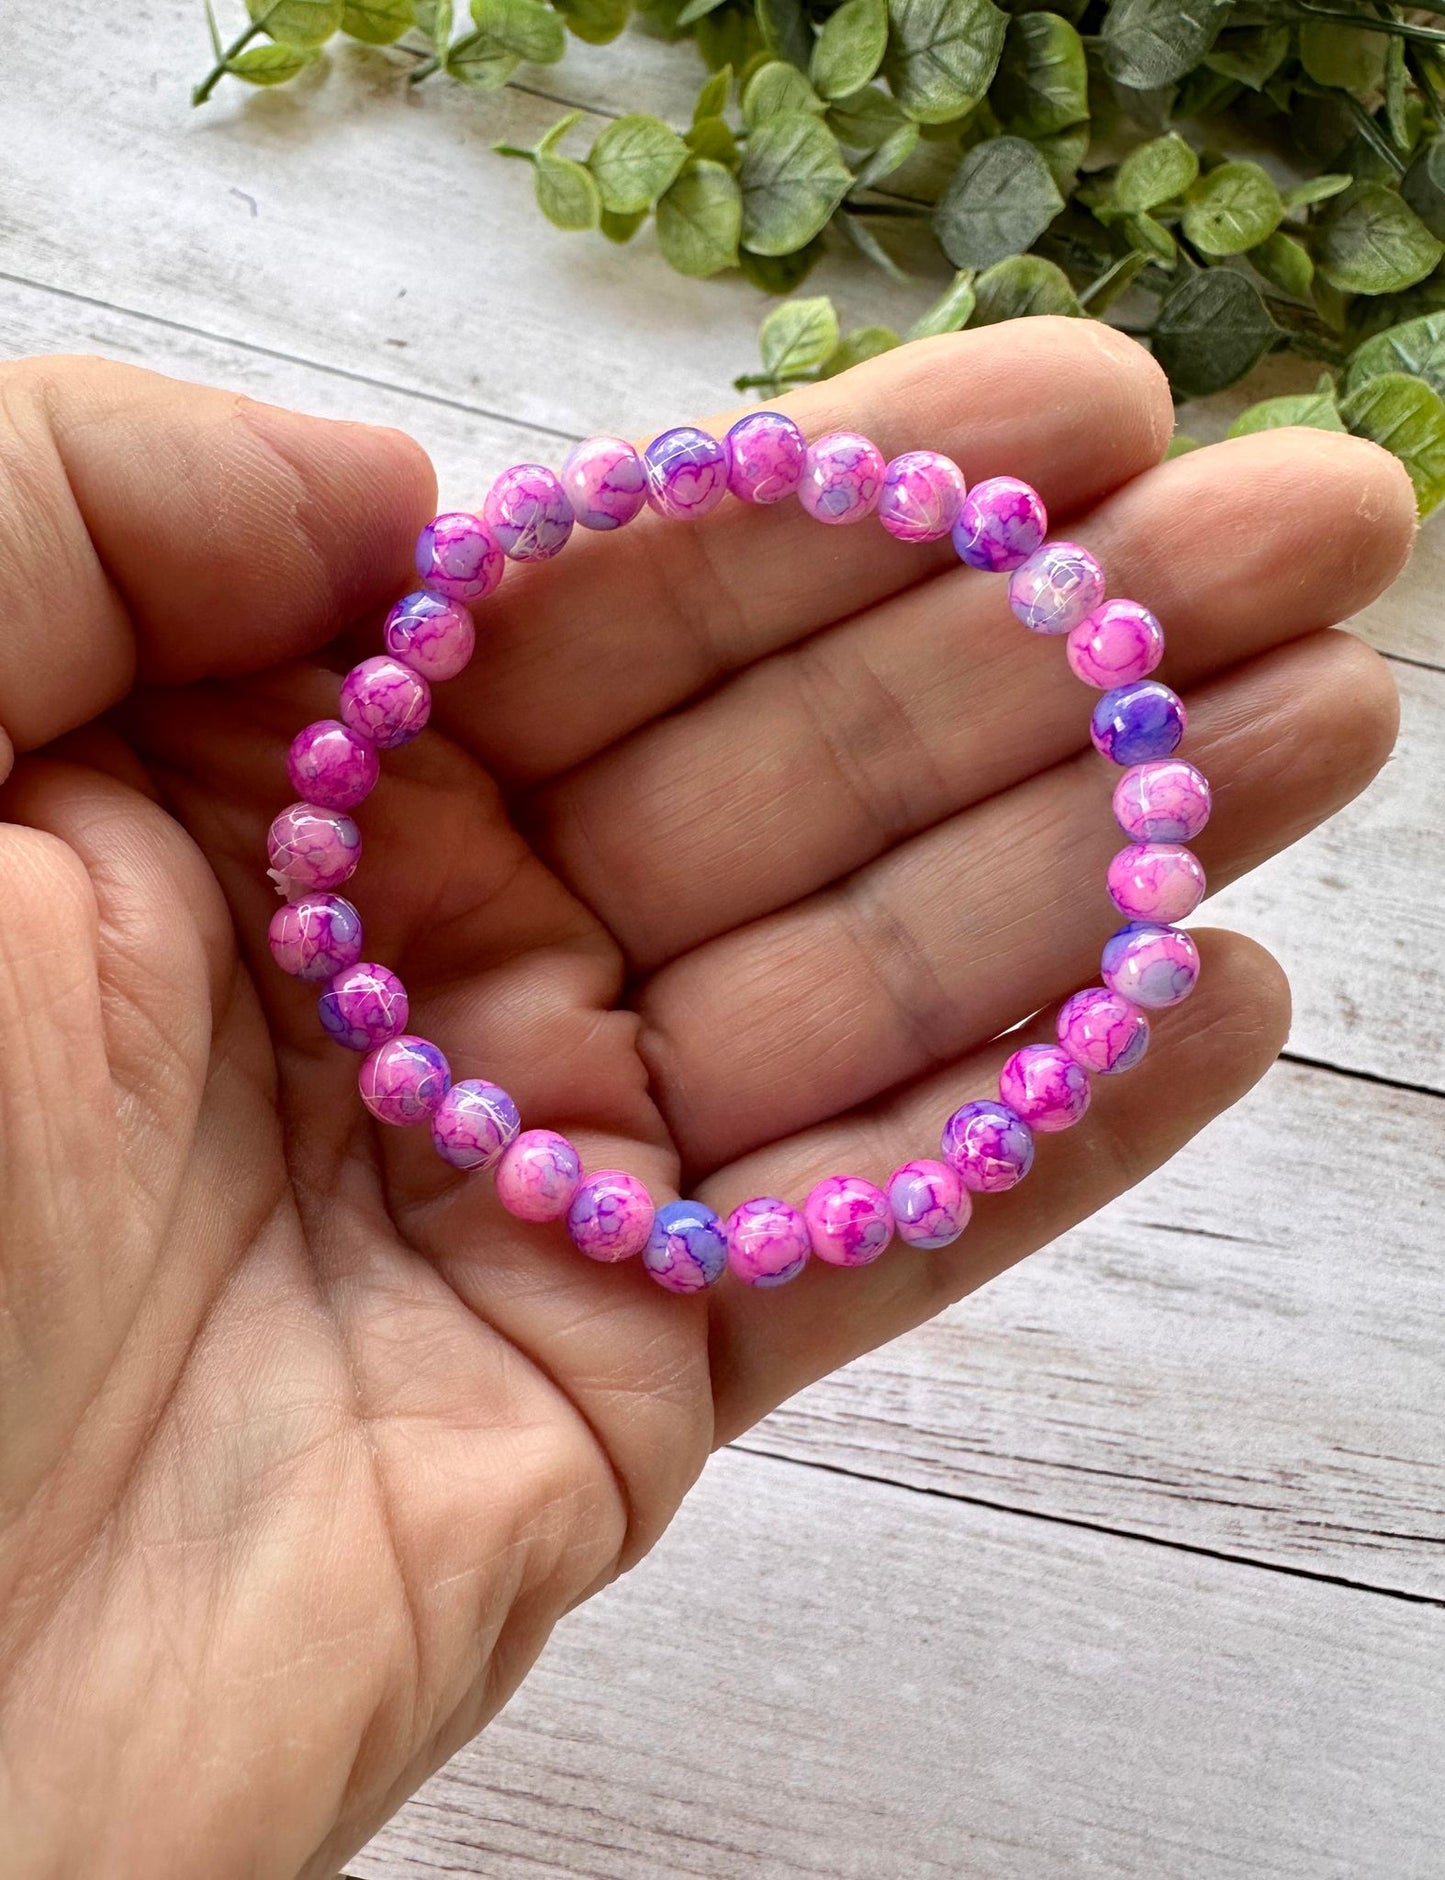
(1364, 1077)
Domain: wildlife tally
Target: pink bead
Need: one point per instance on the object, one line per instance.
(315, 937)
(1164, 801)
(1115, 645)
(930, 1204)
(1151, 966)
(403, 1080)
(473, 1124)
(538, 1175)
(363, 1007)
(842, 478)
(1056, 587)
(528, 513)
(604, 482)
(1102, 1031)
(687, 473)
(457, 556)
(611, 1216)
(311, 848)
(1045, 1086)
(765, 454)
(432, 635)
(1000, 524)
(922, 494)
(768, 1242)
(385, 702)
(849, 1220)
(988, 1146)
(330, 766)
(1156, 881)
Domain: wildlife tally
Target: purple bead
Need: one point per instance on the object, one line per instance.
(768, 1242)
(1102, 1031)
(403, 1080)
(1116, 644)
(930, 1204)
(687, 473)
(456, 556)
(538, 1175)
(611, 1216)
(311, 848)
(922, 494)
(842, 478)
(987, 1146)
(528, 513)
(330, 766)
(605, 482)
(1045, 1086)
(385, 702)
(1000, 524)
(1136, 722)
(363, 1007)
(473, 1124)
(849, 1220)
(315, 937)
(429, 633)
(1167, 801)
(765, 454)
(1056, 588)
(1156, 881)
(687, 1249)
(1149, 965)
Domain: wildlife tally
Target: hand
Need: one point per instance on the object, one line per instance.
(729, 855)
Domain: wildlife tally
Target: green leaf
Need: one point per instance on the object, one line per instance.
(554, 134)
(952, 310)
(566, 193)
(780, 274)
(793, 177)
(1156, 172)
(866, 120)
(295, 23)
(942, 55)
(1180, 445)
(525, 28)
(1416, 347)
(700, 218)
(1148, 43)
(713, 137)
(1020, 286)
(1316, 189)
(1234, 207)
(785, 30)
(1342, 56)
(1251, 55)
(1373, 243)
(621, 228)
(436, 19)
(271, 65)
(377, 22)
(695, 10)
(868, 245)
(1042, 82)
(1151, 238)
(712, 100)
(594, 22)
(1423, 186)
(864, 342)
(1001, 199)
(776, 88)
(1406, 416)
(1063, 152)
(1317, 409)
(888, 157)
(1101, 294)
(850, 48)
(1285, 263)
(633, 161)
(1213, 328)
(798, 336)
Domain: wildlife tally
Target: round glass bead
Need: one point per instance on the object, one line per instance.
(842, 478)
(473, 1124)
(1001, 522)
(768, 1242)
(1102, 1031)
(311, 848)
(921, 497)
(1045, 1086)
(1168, 801)
(687, 473)
(604, 481)
(1156, 881)
(429, 633)
(363, 1007)
(1056, 587)
(1116, 644)
(385, 702)
(988, 1146)
(316, 936)
(456, 556)
(849, 1220)
(765, 454)
(610, 1216)
(528, 513)
(403, 1080)
(1137, 722)
(538, 1175)
(331, 766)
(930, 1205)
(687, 1249)
(1149, 965)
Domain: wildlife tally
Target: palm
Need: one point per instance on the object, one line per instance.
(317, 1442)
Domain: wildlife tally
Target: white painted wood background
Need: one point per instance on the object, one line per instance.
(1131, 1565)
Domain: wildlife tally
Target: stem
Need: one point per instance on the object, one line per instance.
(512, 150)
(1422, 64)
(769, 382)
(424, 70)
(218, 71)
(855, 207)
(1373, 136)
(1424, 35)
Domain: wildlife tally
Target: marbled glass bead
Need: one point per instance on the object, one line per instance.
(473, 1124)
(312, 848)
(687, 1249)
(1045, 1086)
(768, 1242)
(316, 936)
(1001, 522)
(457, 556)
(1168, 801)
(363, 1007)
(842, 478)
(429, 633)
(765, 454)
(538, 1175)
(687, 473)
(922, 494)
(1102, 1031)
(1150, 965)
(930, 1205)
(403, 1080)
(849, 1220)
(329, 765)
(604, 481)
(385, 702)
(1156, 881)
(988, 1146)
(528, 513)
(1056, 587)
(1137, 722)
(610, 1216)
(1116, 644)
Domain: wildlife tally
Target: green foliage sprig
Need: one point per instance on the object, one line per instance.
(1232, 177)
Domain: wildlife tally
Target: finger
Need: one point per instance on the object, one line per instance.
(963, 931)
(1204, 1056)
(810, 763)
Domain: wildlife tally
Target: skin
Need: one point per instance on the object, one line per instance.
(717, 858)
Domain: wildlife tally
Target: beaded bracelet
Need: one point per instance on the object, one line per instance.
(999, 526)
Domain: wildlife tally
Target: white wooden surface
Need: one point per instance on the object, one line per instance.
(1169, 1602)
